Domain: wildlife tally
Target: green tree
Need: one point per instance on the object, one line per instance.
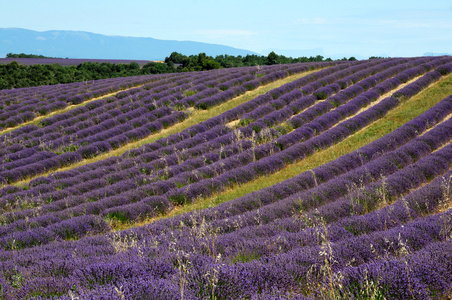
(205, 62)
(156, 68)
(175, 58)
(272, 58)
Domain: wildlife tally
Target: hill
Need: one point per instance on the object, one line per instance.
(320, 180)
(80, 44)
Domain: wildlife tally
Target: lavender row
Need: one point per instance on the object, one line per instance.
(365, 258)
(112, 137)
(254, 280)
(120, 266)
(103, 244)
(253, 84)
(338, 192)
(294, 102)
(65, 124)
(299, 261)
(204, 187)
(323, 173)
(332, 78)
(413, 150)
(22, 105)
(423, 274)
(42, 93)
(241, 278)
(334, 186)
(100, 110)
(324, 114)
(287, 89)
(222, 141)
(249, 83)
(283, 97)
(73, 228)
(238, 173)
(71, 157)
(35, 164)
(168, 161)
(104, 146)
(182, 140)
(148, 93)
(332, 205)
(82, 271)
(303, 269)
(112, 170)
(355, 191)
(270, 116)
(442, 111)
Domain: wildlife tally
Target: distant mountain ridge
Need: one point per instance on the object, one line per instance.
(81, 44)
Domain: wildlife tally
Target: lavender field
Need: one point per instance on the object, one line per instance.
(178, 186)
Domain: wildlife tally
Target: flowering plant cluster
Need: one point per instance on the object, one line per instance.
(106, 124)
(21, 105)
(374, 223)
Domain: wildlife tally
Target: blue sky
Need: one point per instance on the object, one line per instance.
(290, 27)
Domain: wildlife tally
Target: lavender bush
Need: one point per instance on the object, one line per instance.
(374, 223)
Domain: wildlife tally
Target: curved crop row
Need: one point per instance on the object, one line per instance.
(151, 205)
(132, 182)
(23, 105)
(373, 223)
(132, 122)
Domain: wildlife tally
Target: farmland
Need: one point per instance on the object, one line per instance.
(320, 180)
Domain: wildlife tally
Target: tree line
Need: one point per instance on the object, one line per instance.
(14, 75)
(23, 55)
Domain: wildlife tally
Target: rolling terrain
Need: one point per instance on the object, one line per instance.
(323, 180)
